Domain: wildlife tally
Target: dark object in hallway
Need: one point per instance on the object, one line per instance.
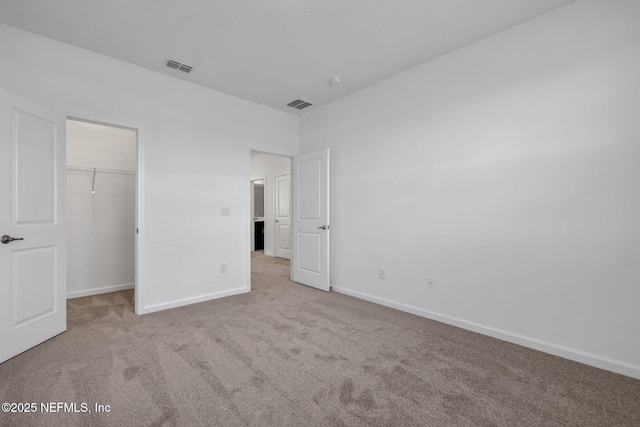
(259, 235)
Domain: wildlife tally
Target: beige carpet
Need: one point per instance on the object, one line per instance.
(289, 355)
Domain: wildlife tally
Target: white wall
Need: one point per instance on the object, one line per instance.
(269, 166)
(193, 161)
(99, 146)
(100, 225)
(508, 172)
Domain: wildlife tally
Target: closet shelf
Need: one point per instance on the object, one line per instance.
(99, 170)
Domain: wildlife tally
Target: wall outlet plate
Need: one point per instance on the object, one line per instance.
(431, 283)
(223, 268)
(381, 274)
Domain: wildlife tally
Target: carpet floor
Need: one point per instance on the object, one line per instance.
(289, 355)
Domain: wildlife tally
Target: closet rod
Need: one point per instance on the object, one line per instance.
(99, 170)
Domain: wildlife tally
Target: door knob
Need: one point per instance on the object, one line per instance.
(324, 227)
(6, 239)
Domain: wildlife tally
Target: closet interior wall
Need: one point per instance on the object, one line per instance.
(101, 183)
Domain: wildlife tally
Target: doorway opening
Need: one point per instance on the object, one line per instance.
(258, 208)
(101, 208)
(270, 207)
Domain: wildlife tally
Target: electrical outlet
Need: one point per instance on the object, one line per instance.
(223, 268)
(381, 273)
(431, 283)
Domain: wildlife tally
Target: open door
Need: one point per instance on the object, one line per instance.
(32, 219)
(311, 220)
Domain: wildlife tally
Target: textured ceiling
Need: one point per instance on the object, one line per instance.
(273, 51)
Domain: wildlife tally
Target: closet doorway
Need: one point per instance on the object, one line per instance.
(101, 208)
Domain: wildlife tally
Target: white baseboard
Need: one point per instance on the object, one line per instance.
(98, 291)
(269, 254)
(187, 301)
(601, 362)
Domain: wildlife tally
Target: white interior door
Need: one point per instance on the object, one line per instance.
(283, 216)
(311, 220)
(32, 190)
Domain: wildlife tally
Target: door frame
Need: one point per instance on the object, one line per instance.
(139, 279)
(262, 150)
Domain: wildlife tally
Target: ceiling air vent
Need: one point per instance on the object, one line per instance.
(299, 104)
(178, 66)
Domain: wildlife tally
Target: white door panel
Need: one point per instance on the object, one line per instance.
(284, 238)
(34, 150)
(32, 181)
(311, 220)
(32, 275)
(309, 203)
(310, 245)
(283, 216)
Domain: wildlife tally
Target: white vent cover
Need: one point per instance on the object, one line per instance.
(178, 66)
(299, 104)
